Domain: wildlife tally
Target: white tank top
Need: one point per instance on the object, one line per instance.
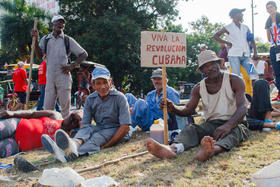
(221, 105)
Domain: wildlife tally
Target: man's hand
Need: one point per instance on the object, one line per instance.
(34, 32)
(131, 109)
(255, 57)
(66, 69)
(222, 131)
(169, 104)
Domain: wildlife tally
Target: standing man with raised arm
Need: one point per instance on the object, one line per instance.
(57, 46)
(238, 39)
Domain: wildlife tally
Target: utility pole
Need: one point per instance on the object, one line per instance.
(252, 6)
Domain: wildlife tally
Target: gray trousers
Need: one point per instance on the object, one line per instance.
(192, 134)
(58, 86)
(94, 137)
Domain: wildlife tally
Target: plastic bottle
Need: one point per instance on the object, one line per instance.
(157, 131)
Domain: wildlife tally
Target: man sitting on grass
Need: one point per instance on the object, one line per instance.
(223, 100)
(110, 111)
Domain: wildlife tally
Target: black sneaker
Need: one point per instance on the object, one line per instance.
(24, 165)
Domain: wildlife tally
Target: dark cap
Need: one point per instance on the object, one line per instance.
(235, 11)
(157, 73)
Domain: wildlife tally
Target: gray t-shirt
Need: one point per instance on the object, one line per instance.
(113, 111)
(56, 52)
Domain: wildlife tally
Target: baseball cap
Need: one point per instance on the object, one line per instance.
(20, 63)
(235, 11)
(58, 17)
(100, 72)
(157, 73)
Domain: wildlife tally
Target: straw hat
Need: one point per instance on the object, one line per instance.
(207, 56)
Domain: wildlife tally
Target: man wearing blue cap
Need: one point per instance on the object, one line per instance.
(57, 47)
(238, 39)
(110, 111)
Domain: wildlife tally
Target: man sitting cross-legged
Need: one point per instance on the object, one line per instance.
(224, 106)
(110, 111)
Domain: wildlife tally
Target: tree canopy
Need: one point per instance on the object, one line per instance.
(16, 25)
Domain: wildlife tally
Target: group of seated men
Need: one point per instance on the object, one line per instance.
(223, 101)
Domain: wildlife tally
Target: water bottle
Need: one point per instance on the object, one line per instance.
(157, 131)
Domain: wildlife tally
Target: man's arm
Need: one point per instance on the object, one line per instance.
(87, 117)
(121, 132)
(188, 108)
(38, 51)
(28, 114)
(238, 87)
(218, 35)
(255, 55)
(268, 35)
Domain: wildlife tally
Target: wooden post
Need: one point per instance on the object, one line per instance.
(164, 82)
(31, 63)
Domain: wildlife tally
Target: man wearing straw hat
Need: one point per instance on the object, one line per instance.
(223, 101)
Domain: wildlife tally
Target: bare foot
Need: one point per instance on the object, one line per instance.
(159, 150)
(207, 149)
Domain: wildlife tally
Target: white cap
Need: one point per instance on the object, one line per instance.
(58, 17)
(20, 63)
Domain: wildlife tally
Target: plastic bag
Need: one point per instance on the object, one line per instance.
(269, 176)
(103, 181)
(64, 177)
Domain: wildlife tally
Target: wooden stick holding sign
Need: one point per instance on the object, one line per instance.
(31, 64)
(164, 83)
(163, 49)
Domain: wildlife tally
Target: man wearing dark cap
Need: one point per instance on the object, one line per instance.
(224, 106)
(238, 39)
(144, 112)
(57, 48)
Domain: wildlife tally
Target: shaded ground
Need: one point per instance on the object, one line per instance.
(233, 168)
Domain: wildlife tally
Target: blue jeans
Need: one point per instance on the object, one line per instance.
(41, 99)
(236, 61)
(276, 67)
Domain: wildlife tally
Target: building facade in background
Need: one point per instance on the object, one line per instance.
(50, 6)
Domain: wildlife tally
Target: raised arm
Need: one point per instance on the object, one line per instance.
(238, 87)
(188, 108)
(38, 51)
(218, 35)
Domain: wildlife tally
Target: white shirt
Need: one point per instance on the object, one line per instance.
(238, 38)
(259, 67)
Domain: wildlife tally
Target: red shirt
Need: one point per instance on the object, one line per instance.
(19, 77)
(42, 73)
(29, 132)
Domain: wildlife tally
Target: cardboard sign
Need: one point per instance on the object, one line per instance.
(163, 49)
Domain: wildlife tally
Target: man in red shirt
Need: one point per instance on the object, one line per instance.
(20, 80)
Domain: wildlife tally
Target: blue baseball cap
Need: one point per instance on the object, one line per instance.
(100, 72)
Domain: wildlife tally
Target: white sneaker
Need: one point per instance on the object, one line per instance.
(65, 143)
(51, 146)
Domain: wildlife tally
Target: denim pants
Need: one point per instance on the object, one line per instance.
(236, 61)
(276, 67)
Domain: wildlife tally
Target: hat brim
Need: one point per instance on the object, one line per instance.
(221, 60)
(156, 76)
(101, 76)
(58, 20)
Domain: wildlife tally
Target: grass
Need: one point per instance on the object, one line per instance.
(233, 168)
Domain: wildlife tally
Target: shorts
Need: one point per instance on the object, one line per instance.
(22, 97)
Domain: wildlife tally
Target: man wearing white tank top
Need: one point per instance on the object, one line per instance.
(223, 100)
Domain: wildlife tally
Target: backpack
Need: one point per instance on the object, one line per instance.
(67, 46)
